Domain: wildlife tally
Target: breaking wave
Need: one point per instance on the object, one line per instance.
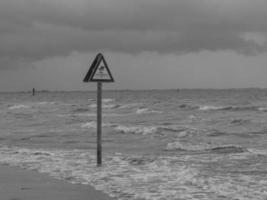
(19, 106)
(146, 111)
(182, 131)
(105, 106)
(46, 103)
(232, 108)
(93, 124)
(122, 176)
(264, 109)
(224, 149)
(129, 177)
(107, 100)
(206, 107)
(142, 130)
(226, 108)
(161, 130)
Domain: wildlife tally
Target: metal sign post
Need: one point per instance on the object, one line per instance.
(99, 123)
(99, 72)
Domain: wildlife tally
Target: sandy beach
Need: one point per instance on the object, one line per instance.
(20, 184)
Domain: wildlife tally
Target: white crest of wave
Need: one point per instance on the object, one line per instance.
(90, 115)
(206, 107)
(219, 149)
(146, 110)
(186, 147)
(104, 106)
(137, 129)
(258, 151)
(93, 124)
(19, 106)
(262, 109)
(107, 100)
(46, 103)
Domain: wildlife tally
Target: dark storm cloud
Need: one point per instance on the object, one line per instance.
(37, 29)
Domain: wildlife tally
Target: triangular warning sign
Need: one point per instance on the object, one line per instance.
(99, 71)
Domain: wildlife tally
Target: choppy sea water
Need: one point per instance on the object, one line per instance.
(187, 144)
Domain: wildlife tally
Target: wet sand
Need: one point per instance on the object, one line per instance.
(20, 184)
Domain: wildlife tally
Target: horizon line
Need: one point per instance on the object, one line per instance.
(118, 90)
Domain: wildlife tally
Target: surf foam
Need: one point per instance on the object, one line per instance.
(129, 177)
(143, 130)
(146, 111)
(223, 149)
(126, 177)
(18, 106)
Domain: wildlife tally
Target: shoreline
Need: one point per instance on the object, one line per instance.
(21, 184)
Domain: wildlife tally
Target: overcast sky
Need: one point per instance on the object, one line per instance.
(148, 44)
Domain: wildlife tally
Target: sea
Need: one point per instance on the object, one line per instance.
(186, 144)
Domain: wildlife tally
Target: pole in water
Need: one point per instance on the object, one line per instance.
(99, 123)
(99, 72)
(33, 91)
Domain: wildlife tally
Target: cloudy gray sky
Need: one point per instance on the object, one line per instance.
(50, 44)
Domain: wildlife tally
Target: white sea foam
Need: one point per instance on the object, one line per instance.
(108, 100)
(143, 130)
(78, 114)
(18, 106)
(93, 124)
(230, 108)
(146, 111)
(206, 107)
(177, 145)
(258, 151)
(182, 131)
(46, 103)
(246, 188)
(90, 115)
(129, 177)
(264, 109)
(221, 149)
(122, 176)
(105, 106)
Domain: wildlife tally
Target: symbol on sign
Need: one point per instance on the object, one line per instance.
(101, 69)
